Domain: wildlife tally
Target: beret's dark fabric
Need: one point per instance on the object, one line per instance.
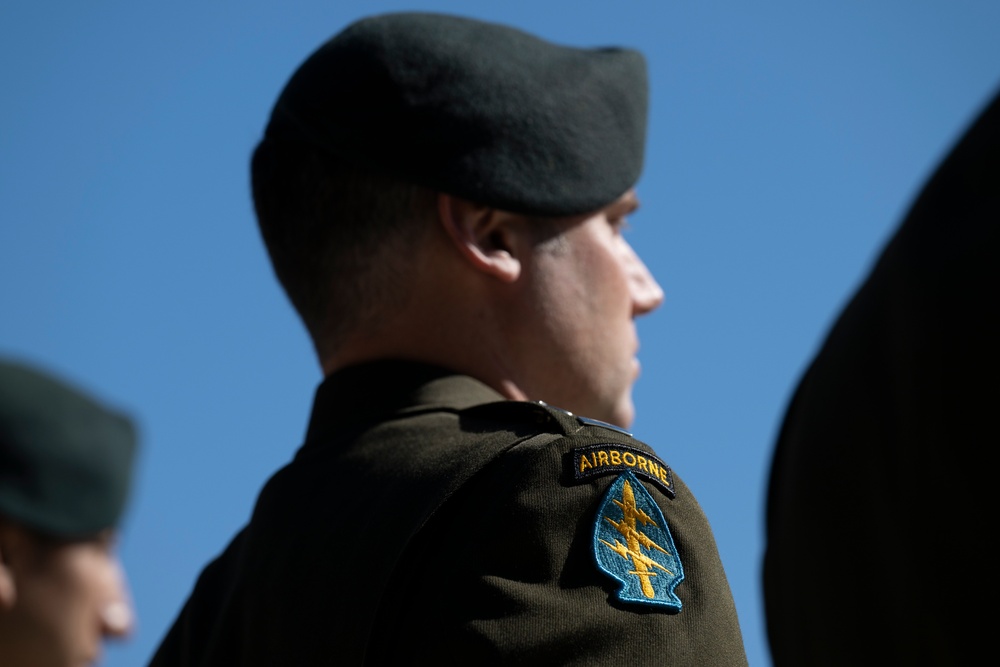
(65, 460)
(478, 110)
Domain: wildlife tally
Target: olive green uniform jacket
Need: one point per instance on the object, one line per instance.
(427, 521)
(882, 505)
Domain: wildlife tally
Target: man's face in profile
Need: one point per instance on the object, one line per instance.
(59, 599)
(585, 288)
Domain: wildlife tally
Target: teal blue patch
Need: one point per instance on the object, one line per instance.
(633, 545)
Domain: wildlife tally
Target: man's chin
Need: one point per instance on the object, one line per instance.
(622, 415)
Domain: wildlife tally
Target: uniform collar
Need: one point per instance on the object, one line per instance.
(359, 395)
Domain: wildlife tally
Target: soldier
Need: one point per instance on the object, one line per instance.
(443, 201)
(878, 528)
(65, 467)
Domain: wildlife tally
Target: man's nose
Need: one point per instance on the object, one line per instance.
(117, 616)
(647, 295)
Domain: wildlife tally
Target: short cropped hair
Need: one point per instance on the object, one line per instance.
(340, 235)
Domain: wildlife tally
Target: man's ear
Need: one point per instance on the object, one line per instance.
(486, 237)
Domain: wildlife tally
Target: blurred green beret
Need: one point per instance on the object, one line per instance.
(65, 460)
(477, 110)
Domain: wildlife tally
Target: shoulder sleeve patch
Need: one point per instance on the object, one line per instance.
(633, 545)
(616, 458)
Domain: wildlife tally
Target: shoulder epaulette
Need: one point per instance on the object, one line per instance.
(538, 413)
(517, 415)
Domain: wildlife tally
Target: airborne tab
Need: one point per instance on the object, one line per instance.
(609, 458)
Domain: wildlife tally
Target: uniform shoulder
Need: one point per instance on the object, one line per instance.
(588, 447)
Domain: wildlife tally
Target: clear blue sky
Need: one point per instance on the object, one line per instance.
(786, 141)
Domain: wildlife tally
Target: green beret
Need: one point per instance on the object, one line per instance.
(65, 460)
(474, 109)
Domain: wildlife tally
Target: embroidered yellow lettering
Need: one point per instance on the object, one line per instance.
(593, 460)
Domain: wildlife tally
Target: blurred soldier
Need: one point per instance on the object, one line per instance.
(65, 466)
(444, 200)
(879, 513)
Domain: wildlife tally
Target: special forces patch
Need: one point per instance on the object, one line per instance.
(633, 545)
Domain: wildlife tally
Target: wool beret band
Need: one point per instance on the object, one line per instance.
(474, 109)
